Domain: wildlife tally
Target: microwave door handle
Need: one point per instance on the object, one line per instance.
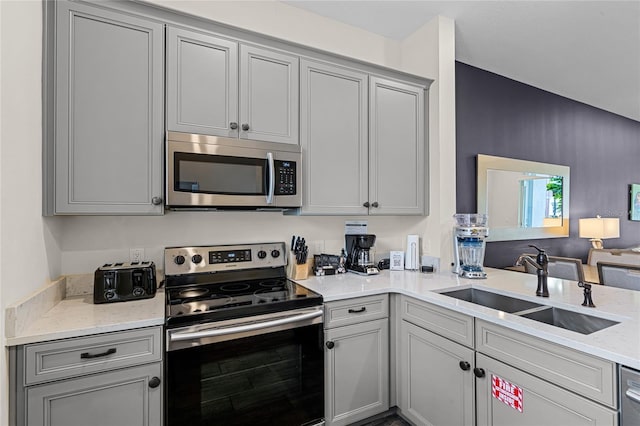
(272, 178)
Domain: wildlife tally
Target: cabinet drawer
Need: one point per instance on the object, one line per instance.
(78, 356)
(447, 323)
(352, 311)
(584, 374)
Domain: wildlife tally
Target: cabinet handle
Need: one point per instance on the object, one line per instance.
(154, 382)
(330, 344)
(357, 311)
(366, 204)
(375, 204)
(156, 201)
(465, 366)
(233, 125)
(479, 372)
(245, 126)
(87, 355)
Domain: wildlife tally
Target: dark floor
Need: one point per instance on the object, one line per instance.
(393, 420)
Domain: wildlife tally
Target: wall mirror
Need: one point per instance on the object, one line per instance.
(523, 199)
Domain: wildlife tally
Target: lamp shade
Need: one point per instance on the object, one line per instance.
(599, 227)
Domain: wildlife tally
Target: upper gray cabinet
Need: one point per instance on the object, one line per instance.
(363, 143)
(218, 87)
(106, 157)
(334, 124)
(397, 159)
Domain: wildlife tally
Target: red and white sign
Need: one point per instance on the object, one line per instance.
(506, 392)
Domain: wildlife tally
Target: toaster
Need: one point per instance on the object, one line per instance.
(123, 281)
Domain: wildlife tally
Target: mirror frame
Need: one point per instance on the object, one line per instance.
(489, 162)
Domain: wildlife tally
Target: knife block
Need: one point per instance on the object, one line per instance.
(295, 271)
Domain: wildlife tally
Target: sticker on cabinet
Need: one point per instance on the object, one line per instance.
(506, 392)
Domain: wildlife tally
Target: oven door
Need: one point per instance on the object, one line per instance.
(212, 172)
(265, 370)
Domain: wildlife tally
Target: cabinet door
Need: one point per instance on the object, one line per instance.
(356, 371)
(334, 140)
(109, 112)
(202, 83)
(268, 95)
(436, 378)
(121, 397)
(396, 148)
(540, 402)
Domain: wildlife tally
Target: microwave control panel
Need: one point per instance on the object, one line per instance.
(285, 177)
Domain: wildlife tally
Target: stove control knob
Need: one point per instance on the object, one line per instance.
(179, 259)
(275, 253)
(262, 254)
(196, 258)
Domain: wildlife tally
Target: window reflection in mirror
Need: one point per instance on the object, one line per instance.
(523, 199)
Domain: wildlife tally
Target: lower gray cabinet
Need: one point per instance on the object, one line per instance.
(127, 397)
(539, 403)
(109, 379)
(356, 359)
(436, 377)
(504, 377)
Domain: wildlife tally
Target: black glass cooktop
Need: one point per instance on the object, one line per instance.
(201, 301)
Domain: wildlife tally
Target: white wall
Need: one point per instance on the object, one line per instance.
(36, 249)
(29, 252)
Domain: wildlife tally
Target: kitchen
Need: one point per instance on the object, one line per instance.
(71, 245)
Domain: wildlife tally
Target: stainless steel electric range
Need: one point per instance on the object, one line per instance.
(244, 343)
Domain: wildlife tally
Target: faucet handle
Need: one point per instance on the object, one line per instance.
(588, 301)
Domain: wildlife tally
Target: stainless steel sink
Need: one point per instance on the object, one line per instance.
(569, 320)
(492, 300)
(562, 318)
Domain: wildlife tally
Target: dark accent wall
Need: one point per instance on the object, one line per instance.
(499, 116)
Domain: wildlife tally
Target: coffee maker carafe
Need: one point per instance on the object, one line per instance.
(359, 256)
(469, 236)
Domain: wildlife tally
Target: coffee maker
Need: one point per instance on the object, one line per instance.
(359, 256)
(469, 236)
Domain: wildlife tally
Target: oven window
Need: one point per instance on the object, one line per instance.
(269, 379)
(218, 174)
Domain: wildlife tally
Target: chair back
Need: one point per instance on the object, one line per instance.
(619, 275)
(567, 268)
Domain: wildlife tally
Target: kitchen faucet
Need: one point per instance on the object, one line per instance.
(541, 263)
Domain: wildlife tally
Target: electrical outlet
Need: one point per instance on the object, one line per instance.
(136, 255)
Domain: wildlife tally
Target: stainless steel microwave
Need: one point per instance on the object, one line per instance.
(210, 172)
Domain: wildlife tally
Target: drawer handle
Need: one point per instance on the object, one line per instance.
(154, 382)
(479, 372)
(357, 311)
(87, 355)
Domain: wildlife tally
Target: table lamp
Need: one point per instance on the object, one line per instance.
(598, 228)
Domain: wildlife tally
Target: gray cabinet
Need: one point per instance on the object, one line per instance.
(109, 86)
(356, 360)
(219, 87)
(108, 379)
(542, 403)
(435, 361)
(130, 397)
(334, 139)
(202, 83)
(363, 143)
(516, 379)
(397, 158)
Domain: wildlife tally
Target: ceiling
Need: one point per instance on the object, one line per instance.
(588, 51)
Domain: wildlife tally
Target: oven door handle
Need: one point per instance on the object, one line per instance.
(272, 178)
(176, 337)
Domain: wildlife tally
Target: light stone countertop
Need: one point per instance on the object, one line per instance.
(77, 316)
(619, 343)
